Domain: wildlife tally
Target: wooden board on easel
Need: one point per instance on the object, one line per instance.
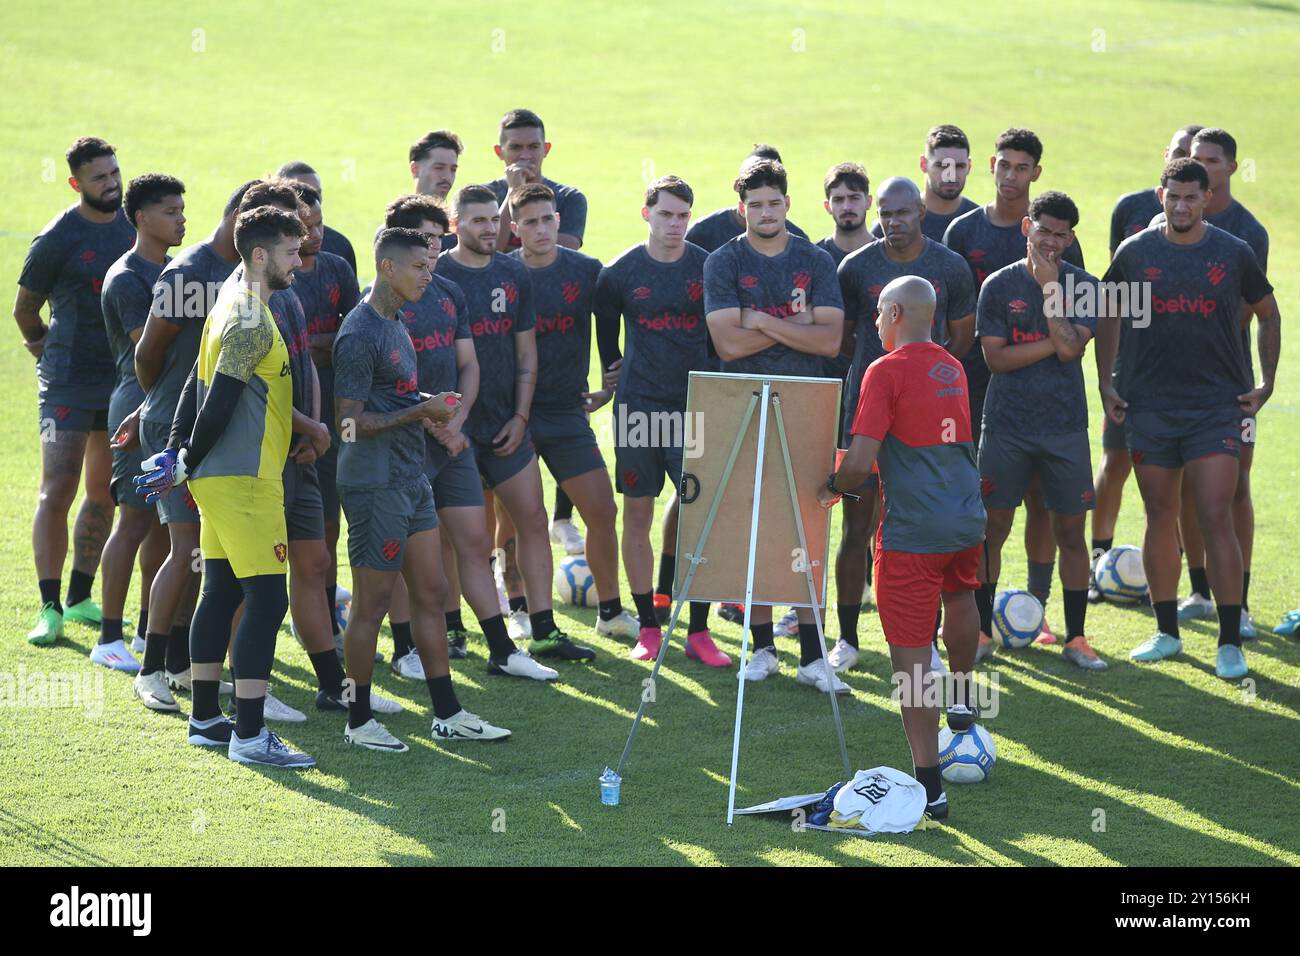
(716, 404)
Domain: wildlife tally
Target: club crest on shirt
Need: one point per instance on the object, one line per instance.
(281, 553)
(571, 291)
(1215, 272)
(694, 290)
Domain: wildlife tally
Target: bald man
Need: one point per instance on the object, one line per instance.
(913, 424)
(904, 250)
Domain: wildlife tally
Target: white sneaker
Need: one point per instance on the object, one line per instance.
(568, 537)
(153, 693)
(1247, 631)
(624, 625)
(762, 665)
(1194, 606)
(409, 666)
(843, 656)
(522, 664)
(466, 726)
(374, 736)
(115, 656)
(788, 626)
(815, 675)
(936, 662)
(380, 704)
(519, 625)
(137, 644)
(181, 682)
(275, 709)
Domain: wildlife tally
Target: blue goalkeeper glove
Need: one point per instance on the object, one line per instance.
(162, 472)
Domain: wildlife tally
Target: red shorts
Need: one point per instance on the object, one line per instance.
(908, 587)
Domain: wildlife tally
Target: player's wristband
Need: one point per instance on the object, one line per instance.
(520, 416)
(830, 484)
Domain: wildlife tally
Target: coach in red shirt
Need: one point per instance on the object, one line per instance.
(913, 425)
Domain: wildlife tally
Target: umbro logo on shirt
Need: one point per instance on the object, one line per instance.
(748, 282)
(1153, 273)
(1017, 306)
(88, 256)
(976, 255)
(875, 290)
(641, 293)
(1215, 272)
(945, 373)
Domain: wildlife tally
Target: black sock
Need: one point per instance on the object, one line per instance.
(402, 643)
(848, 615)
(50, 593)
(929, 778)
(79, 586)
(454, 621)
(499, 644)
(667, 570)
(810, 645)
(984, 604)
(563, 506)
(110, 630)
(645, 609)
(443, 695)
(1200, 582)
(1100, 546)
(1076, 611)
(543, 623)
(203, 699)
(608, 610)
(871, 567)
(699, 617)
(332, 598)
(329, 672)
(1166, 617)
(762, 634)
(1229, 624)
(518, 604)
(359, 709)
(178, 649)
(155, 653)
(248, 717)
(142, 629)
(1245, 590)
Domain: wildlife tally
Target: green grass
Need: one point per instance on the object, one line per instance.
(1186, 771)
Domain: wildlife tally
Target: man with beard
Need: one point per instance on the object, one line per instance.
(946, 164)
(75, 375)
(435, 159)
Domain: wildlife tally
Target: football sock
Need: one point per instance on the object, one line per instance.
(848, 615)
(1200, 582)
(762, 634)
(178, 649)
(1245, 590)
(402, 643)
(667, 570)
(248, 716)
(499, 644)
(563, 506)
(543, 624)
(332, 597)
(518, 604)
(329, 672)
(1100, 546)
(155, 653)
(79, 586)
(50, 593)
(928, 777)
(1229, 624)
(645, 609)
(608, 610)
(454, 621)
(1076, 611)
(203, 699)
(984, 603)
(810, 645)
(110, 630)
(359, 709)
(1040, 580)
(142, 629)
(699, 617)
(1166, 617)
(443, 696)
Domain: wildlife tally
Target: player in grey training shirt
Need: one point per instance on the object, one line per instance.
(1131, 215)
(332, 241)
(434, 161)
(711, 231)
(65, 266)
(522, 147)
(848, 197)
(1185, 386)
(904, 251)
(946, 164)
(1035, 318)
(498, 296)
(774, 307)
(156, 206)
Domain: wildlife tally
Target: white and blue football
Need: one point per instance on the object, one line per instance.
(1017, 618)
(1121, 578)
(574, 584)
(966, 757)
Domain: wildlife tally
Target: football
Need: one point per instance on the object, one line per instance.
(1121, 578)
(1017, 618)
(574, 584)
(966, 757)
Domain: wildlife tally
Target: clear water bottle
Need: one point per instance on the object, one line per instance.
(610, 783)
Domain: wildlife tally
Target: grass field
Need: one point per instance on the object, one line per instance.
(1187, 769)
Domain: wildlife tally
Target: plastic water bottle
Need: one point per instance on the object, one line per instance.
(610, 783)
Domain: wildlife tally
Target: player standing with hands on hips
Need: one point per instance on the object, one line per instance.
(913, 423)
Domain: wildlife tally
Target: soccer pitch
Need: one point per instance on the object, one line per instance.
(1141, 765)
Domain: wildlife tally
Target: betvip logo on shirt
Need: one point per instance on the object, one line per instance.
(76, 909)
